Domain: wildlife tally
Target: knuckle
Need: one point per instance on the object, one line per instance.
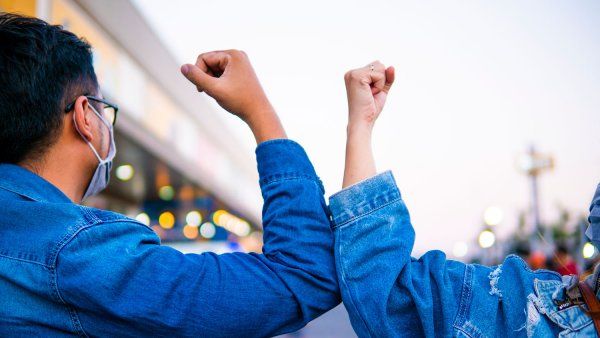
(355, 75)
(235, 52)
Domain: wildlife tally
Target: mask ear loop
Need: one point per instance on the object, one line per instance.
(111, 151)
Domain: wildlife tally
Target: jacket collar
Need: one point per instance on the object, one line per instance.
(27, 184)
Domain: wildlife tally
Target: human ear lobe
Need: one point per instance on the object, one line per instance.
(81, 118)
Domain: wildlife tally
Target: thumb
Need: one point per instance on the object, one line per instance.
(202, 80)
(390, 76)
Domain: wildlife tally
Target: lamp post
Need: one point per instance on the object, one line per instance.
(533, 164)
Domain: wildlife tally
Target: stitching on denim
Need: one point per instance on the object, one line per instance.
(24, 260)
(79, 226)
(86, 227)
(285, 177)
(14, 191)
(381, 176)
(73, 313)
(88, 212)
(68, 235)
(368, 203)
(353, 218)
(470, 330)
(352, 300)
(542, 289)
(465, 297)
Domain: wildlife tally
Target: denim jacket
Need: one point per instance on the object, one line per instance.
(68, 270)
(390, 294)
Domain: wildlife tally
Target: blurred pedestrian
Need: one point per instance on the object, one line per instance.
(563, 263)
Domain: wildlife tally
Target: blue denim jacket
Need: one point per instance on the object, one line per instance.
(66, 269)
(390, 294)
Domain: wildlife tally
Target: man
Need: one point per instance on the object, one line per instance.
(66, 269)
(390, 294)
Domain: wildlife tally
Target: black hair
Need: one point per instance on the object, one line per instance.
(42, 68)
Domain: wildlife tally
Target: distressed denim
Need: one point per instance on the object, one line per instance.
(69, 270)
(390, 294)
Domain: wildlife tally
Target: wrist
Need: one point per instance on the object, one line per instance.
(265, 125)
(359, 129)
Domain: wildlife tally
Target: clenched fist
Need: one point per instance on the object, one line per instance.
(367, 90)
(228, 77)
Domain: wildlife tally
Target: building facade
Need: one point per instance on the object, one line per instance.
(178, 168)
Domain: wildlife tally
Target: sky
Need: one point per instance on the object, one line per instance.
(477, 83)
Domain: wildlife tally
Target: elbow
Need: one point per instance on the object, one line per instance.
(314, 286)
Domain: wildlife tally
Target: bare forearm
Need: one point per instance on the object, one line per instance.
(367, 90)
(265, 125)
(360, 163)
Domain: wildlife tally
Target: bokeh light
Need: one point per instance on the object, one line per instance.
(166, 220)
(166, 193)
(493, 216)
(124, 172)
(231, 223)
(460, 249)
(208, 230)
(143, 218)
(486, 239)
(193, 218)
(589, 250)
(190, 231)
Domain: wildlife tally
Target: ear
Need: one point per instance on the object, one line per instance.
(82, 118)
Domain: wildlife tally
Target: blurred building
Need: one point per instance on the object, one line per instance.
(178, 168)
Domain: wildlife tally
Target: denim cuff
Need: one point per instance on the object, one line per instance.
(363, 198)
(283, 159)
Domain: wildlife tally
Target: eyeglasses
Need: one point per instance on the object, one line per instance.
(109, 110)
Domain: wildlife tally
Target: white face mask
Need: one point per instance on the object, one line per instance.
(593, 231)
(102, 174)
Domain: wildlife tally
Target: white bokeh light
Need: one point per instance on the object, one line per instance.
(460, 249)
(486, 239)
(493, 216)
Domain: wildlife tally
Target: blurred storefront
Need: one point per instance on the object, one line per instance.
(178, 169)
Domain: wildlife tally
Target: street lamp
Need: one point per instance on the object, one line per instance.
(533, 164)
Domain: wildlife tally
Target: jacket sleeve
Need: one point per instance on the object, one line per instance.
(119, 281)
(387, 292)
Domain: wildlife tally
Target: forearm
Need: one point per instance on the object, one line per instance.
(298, 239)
(265, 124)
(254, 295)
(386, 291)
(374, 239)
(360, 163)
(367, 90)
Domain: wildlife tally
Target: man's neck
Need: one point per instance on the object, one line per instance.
(59, 167)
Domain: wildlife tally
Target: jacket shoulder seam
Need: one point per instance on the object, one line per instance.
(68, 239)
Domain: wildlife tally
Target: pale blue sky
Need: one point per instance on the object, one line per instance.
(477, 83)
